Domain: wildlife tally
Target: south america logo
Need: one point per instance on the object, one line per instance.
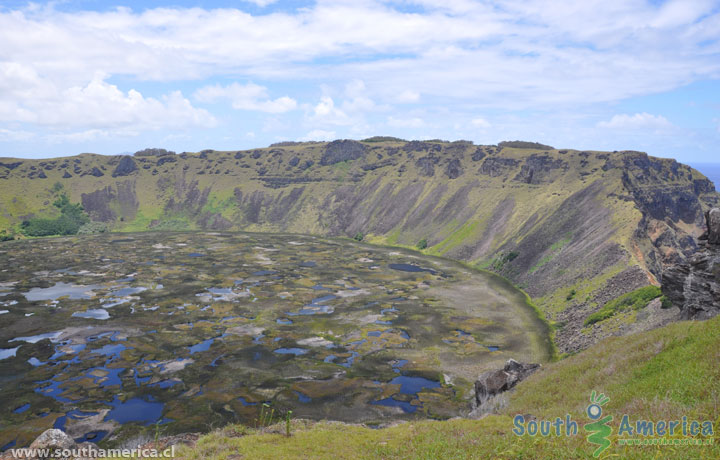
(599, 429)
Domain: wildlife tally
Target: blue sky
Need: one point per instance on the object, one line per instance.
(112, 77)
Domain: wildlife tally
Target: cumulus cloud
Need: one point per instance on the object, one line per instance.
(318, 135)
(261, 3)
(327, 113)
(95, 105)
(460, 54)
(480, 123)
(637, 121)
(533, 52)
(246, 97)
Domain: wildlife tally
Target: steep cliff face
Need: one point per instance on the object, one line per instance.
(573, 228)
(694, 285)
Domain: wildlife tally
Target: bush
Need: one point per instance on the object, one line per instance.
(93, 227)
(422, 244)
(666, 303)
(634, 300)
(72, 217)
(383, 139)
(358, 236)
(571, 295)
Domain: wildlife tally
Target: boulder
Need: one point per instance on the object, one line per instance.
(53, 439)
(494, 382)
(96, 172)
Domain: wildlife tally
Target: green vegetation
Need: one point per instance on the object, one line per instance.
(467, 231)
(422, 244)
(71, 218)
(93, 227)
(666, 303)
(571, 295)
(359, 236)
(524, 145)
(635, 300)
(498, 263)
(661, 379)
(383, 139)
(5, 236)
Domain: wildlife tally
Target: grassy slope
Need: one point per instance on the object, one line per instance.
(658, 375)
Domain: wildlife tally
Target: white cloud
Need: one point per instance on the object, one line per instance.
(246, 97)
(95, 105)
(84, 136)
(326, 112)
(405, 122)
(480, 123)
(15, 135)
(532, 51)
(455, 57)
(637, 121)
(407, 97)
(318, 135)
(261, 3)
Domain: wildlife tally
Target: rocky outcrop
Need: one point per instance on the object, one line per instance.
(538, 169)
(492, 383)
(342, 150)
(126, 166)
(712, 218)
(495, 167)
(694, 285)
(50, 440)
(454, 169)
(426, 165)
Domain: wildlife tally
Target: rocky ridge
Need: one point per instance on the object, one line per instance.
(574, 229)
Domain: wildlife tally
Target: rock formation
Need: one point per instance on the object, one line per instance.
(126, 166)
(342, 150)
(492, 383)
(694, 285)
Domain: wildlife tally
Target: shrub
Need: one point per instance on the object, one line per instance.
(571, 295)
(93, 227)
(358, 236)
(666, 303)
(72, 217)
(422, 244)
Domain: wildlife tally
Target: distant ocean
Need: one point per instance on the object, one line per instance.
(711, 171)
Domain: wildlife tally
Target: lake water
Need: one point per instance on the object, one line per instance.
(373, 329)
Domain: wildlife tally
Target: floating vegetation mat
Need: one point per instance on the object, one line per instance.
(108, 336)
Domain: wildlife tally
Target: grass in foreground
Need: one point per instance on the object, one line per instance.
(663, 374)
